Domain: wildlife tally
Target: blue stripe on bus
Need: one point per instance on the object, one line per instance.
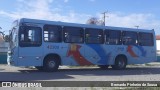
(101, 52)
(143, 52)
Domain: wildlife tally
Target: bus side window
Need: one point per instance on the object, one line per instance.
(73, 34)
(94, 36)
(52, 33)
(30, 36)
(112, 37)
(145, 39)
(129, 38)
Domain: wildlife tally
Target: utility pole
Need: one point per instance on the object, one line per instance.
(137, 27)
(104, 17)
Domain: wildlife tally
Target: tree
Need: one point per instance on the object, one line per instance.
(95, 21)
(1, 35)
(4, 37)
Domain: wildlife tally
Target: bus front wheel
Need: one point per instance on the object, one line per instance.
(51, 64)
(120, 63)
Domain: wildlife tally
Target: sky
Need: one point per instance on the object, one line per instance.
(121, 13)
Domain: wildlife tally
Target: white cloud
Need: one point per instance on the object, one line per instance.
(41, 9)
(144, 21)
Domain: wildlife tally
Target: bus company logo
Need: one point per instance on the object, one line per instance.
(74, 52)
(6, 84)
(131, 52)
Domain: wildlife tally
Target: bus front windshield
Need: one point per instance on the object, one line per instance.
(13, 38)
(30, 36)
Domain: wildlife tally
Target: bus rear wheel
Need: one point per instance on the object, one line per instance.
(103, 67)
(51, 64)
(120, 63)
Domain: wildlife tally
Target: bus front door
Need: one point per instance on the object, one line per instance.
(30, 46)
(30, 56)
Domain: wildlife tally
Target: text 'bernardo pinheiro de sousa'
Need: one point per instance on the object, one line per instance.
(134, 85)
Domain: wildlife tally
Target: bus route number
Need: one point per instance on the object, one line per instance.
(52, 47)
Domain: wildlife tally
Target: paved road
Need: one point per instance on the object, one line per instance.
(135, 73)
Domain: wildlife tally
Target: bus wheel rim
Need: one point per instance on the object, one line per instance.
(121, 64)
(51, 64)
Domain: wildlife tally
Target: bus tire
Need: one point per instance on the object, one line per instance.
(120, 63)
(51, 64)
(103, 67)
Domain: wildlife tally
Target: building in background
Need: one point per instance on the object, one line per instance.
(3, 50)
(158, 47)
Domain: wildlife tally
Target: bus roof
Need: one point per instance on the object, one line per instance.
(27, 20)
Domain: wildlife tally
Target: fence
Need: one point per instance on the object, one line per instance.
(3, 52)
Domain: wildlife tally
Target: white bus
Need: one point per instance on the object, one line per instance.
(49, 44)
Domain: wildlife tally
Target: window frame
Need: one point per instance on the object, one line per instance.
(22, 44)
(145, 33)
(137, 39)
(79, 28)
(109, 30)
(94, 29)
(59, 28)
